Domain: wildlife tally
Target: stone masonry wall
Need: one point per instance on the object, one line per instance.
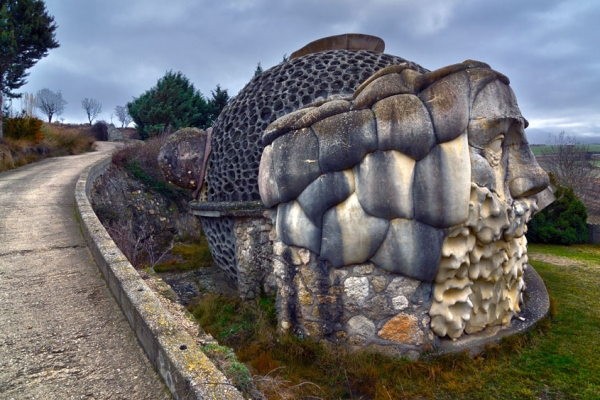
(254, 250)
(358, 307)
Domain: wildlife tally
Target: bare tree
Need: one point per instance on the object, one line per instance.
(50, 103)
(569, 161)
(28, 105)
(123, 115)
(92, 108)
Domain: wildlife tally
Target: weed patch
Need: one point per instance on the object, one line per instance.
(192, 256)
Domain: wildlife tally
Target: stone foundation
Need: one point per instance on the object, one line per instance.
(359, 307)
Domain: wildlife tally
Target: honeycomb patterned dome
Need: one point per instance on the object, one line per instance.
(237, 136)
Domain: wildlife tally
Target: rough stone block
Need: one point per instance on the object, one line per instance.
(403, 328)
(356, 290)
(360, 325)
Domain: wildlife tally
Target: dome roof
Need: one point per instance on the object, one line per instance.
(237, 136)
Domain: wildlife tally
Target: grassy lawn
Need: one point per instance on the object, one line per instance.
(556, 360)
(537, 150)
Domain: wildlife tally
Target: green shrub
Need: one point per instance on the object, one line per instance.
(100, 131)
(141, 160)
(172, 104)
(23, 128)
(562, 222)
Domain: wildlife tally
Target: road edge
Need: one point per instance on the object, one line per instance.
(185, 369)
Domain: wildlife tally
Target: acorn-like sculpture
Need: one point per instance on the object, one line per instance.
(426, 175)
(383, 204)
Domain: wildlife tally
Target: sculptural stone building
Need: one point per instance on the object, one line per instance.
(384, 205)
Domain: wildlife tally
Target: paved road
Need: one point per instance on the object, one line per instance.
(62, 334)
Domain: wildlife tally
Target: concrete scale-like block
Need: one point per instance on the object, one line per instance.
(404, 124)
(443, 185)
(350, 235)
(295, 162)
(448, 103)
(296, 229)
(325, 192)
(384, 184)
(267, 181)
(411, 248)
(345, 139)
(387, 85)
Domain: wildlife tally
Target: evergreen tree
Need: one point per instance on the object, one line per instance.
(26, 35)
(172, 104)
(258, 70)
(562, 222)
(217, 103)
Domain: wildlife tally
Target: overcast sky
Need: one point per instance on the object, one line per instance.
(115, 50)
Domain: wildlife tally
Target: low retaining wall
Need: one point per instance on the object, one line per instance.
(185, 369)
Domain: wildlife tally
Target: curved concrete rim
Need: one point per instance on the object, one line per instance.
(535, 307)
(179, 360)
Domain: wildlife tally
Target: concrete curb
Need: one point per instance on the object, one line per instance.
(186, 371)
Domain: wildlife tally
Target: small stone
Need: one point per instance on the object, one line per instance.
(357, 340)
(402, 286)
(279, 269)
(304, 255)
(278, 247)
(304, 296)
(403, 328)
(425, 321)
(412, 355)
(272, 234)
(336, 290)
(366, 269)
(339, 275)
(294, 257)
(317, 329)
(285, 325)
(360, 325)
(308, 274)
(357, 289)
(341, 335)
(379, 283)
(400, 303)
(377, 308)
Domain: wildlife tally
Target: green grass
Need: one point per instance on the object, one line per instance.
(558, 359)
(541, 149)
(190, 256)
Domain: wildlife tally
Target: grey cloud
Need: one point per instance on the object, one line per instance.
(114, 50)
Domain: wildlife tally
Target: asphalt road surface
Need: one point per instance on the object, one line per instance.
(62, 334)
